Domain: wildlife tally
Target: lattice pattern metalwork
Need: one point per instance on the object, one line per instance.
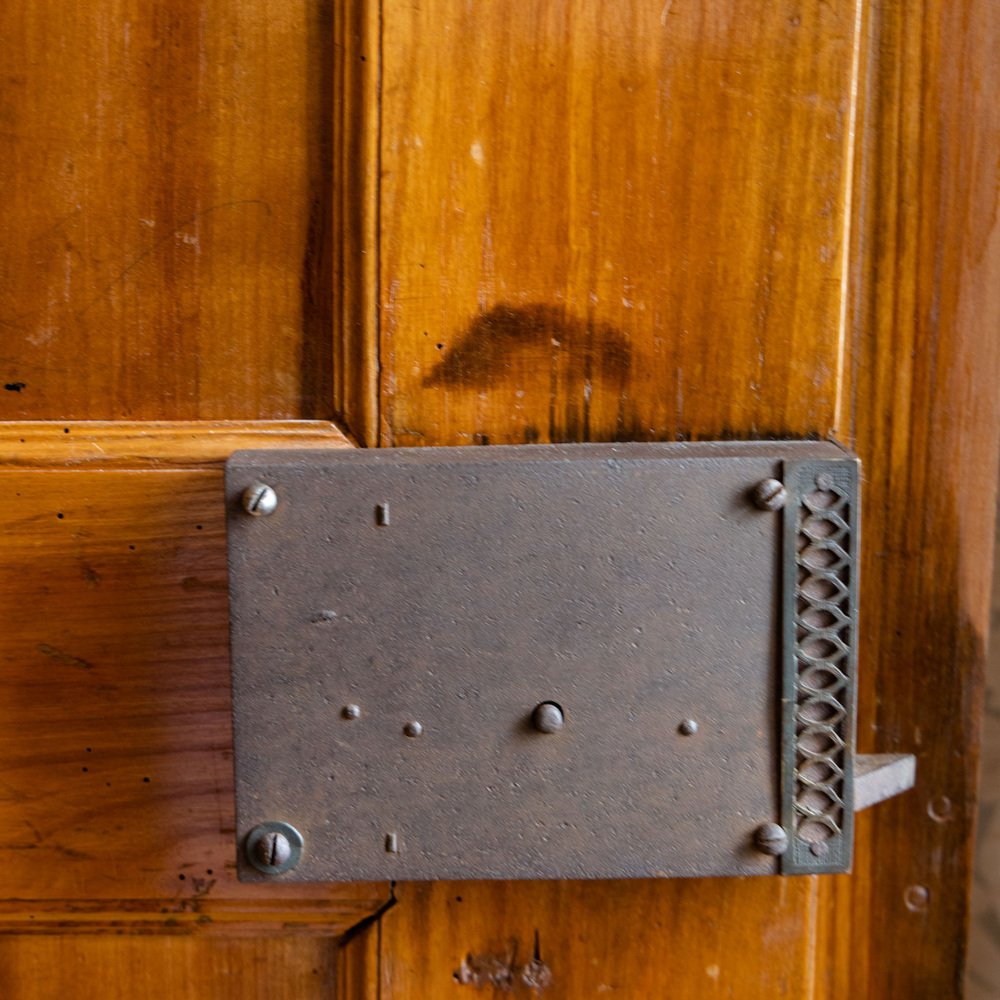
(820, 611)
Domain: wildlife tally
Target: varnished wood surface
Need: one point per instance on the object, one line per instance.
(982, 974)
(923, 410)
(556, 221)
(354, 186)
(117, 787)
(126, 968)
(47, 444)
(616, 220)
(165, 168)
(686, 939)
(358, 964)
(606, 223)
(869, 310)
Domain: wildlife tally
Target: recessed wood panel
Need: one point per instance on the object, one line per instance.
(117, 786)
(165, 169)
(612, 220)
(689, 938)
(123, 968)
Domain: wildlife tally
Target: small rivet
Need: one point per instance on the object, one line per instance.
(351, 712)
(548, 717)
(382, 515)
(769, 494)
(771, 839)
(391, 843)
(688, 727)
(412, 729)
(259, 499)
(916, 898)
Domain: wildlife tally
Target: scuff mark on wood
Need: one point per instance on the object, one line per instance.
(62, 658)
(503, 972)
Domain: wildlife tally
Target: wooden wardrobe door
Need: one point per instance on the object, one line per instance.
(323, 223)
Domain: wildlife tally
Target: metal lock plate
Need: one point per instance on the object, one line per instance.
(399, 615)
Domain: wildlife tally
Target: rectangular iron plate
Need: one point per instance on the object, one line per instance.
(635, 585)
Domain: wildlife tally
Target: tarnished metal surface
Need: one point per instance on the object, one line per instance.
(821, 528)
(410, 627)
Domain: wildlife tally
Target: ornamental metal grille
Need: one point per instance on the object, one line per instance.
(820, 622)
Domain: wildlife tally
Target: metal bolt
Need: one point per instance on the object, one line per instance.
(548, 717)
(412, 729)
(688, 727)
(273, 849)
(351, 712)
(769, 494)
(771, 839)
(259, 499)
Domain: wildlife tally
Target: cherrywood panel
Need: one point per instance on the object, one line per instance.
(924, 413)
(124, 968)
(690, 938)
(45, 444)
(117, 787)
(358, 969)
(355, 181)
(505, 207)
(163, 246)
(612, 219)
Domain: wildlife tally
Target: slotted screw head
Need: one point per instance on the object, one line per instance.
(769, 494)
(273, 849)
(771, 839)
(259, 499)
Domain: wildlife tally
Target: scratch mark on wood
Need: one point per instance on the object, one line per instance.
(64, 659)
(163, 241)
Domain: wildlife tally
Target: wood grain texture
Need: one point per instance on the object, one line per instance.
(164, 241)
(124, 968)
(855, 291)
(168, 444)
(358, 964)
(924, 413)
(355, 184)
(597, 222)
(117, 787)
(685, 939)
(612, 219)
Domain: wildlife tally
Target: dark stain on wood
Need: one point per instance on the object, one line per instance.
(508, 338)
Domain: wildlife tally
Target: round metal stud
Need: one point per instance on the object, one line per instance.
(771, 839)
(259, 499)
(412, 729)
(769, 494)
(351, 712)
(548, 717)
(273, 848)
(688, 727)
